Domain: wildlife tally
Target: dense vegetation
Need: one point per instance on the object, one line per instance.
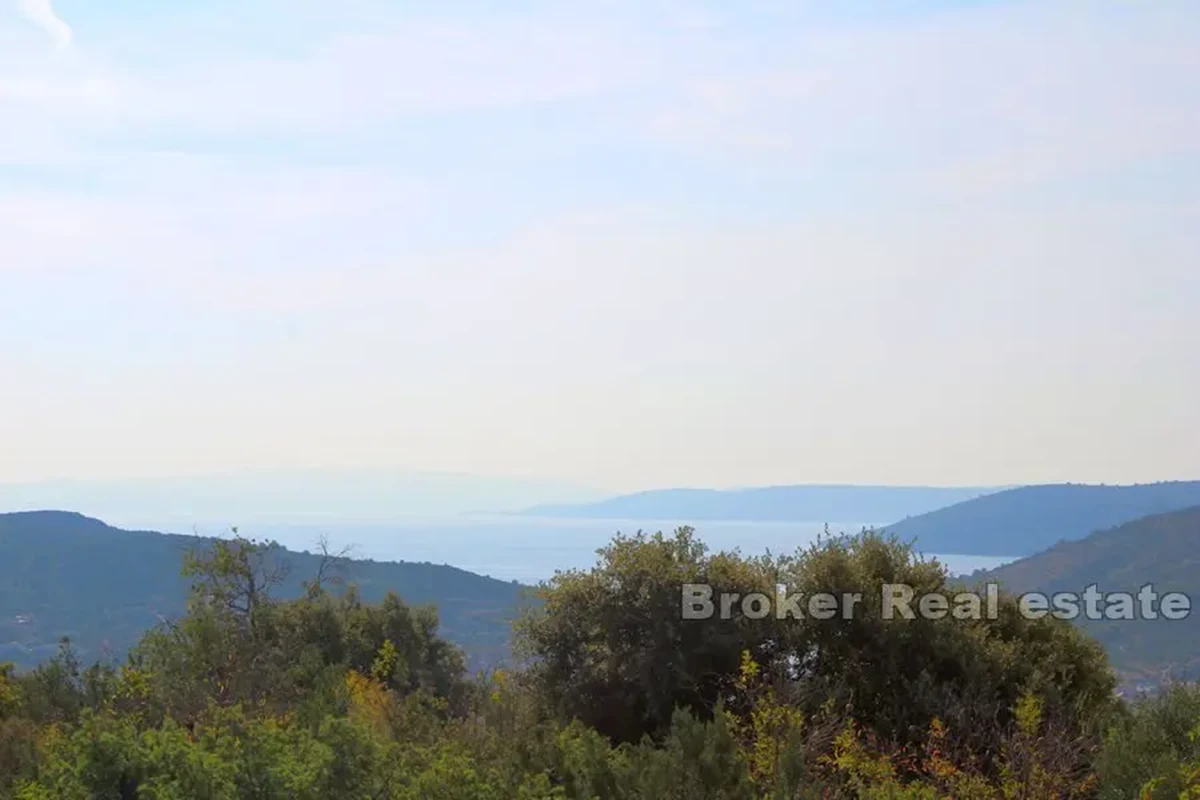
(1162, 550)
(327, 696)
(64, 574)
(1024, 521)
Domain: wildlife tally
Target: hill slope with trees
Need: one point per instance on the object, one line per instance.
(1162, 550)
(327, 696)
(64, 574)
(1024, 521)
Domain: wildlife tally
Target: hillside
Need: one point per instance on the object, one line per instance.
(64, 574)
(1162, 550)
(806, 503)
(1024, 521)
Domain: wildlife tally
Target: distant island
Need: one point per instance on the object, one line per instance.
(800, 503)
(243, 495)
(975, 521)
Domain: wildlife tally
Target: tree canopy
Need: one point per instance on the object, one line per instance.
(617, 694)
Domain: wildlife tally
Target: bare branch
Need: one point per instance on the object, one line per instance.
(333, 567)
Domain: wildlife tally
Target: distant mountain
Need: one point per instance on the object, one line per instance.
(1162, 550)
(1020, 522)
(333, 493)
(804, 503)
(64, 574)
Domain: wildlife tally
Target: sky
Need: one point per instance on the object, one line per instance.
(631, 244)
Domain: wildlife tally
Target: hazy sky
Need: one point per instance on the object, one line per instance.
(633, 244)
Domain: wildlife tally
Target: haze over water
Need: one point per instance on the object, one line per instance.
(524, 549)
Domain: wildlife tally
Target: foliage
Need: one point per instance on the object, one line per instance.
(610, 648)
(1153, 749)
(1160, 550)
(325, 695)
(65, 574)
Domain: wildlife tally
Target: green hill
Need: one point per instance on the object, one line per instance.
(1024, 521)
(1162, 550)
(64, 574)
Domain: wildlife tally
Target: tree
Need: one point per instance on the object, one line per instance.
(1152, 746)
(236, 575)
(896, 676)
(610, 647)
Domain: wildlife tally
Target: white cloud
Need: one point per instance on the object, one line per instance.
(957, 106)
(964, 91)
(414, 69)
(971, 92)
(234, 186)
(41, 13)
(183, 219)
(883, 346)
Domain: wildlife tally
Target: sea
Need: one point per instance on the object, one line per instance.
(514, 548)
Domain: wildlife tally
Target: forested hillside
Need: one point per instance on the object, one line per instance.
(327, 696)
(1163, 551)
(64, 574)
(1024, 521)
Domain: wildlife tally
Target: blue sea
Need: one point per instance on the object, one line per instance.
(525, 549)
